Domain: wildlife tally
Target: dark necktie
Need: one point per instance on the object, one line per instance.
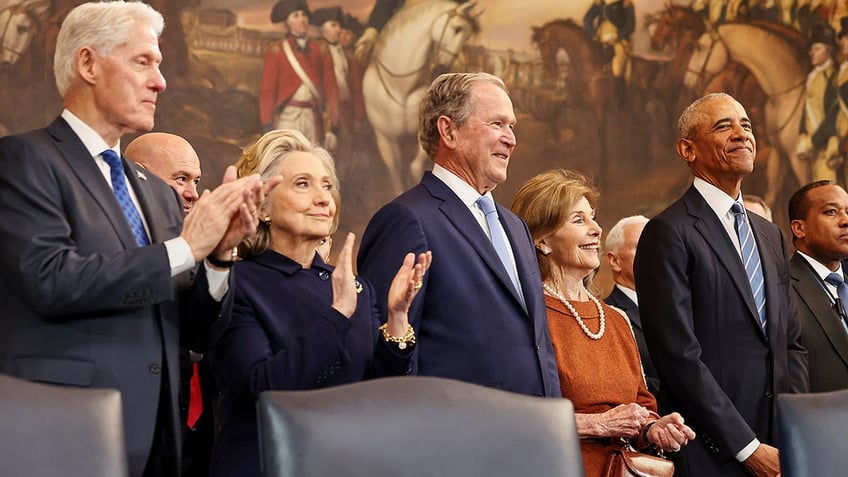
(838, 281)
(122, 193)
(497, 232)
(751, 261)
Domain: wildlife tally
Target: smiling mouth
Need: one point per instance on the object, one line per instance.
(592, 247)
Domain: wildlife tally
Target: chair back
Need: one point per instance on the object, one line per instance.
(415, 427)
(51, 431)
(811, 430)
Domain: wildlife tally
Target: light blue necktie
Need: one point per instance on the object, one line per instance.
(497, 232)
(751, 260)
(838, 281)
(122, 193)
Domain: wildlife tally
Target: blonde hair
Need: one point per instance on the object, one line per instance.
(545, 201)
(264, 157)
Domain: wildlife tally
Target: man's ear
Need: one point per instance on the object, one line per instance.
(85, 62)
(614, 261)
(799, 228)
(446, 131)
(686, 149)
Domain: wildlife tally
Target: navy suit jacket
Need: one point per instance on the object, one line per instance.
(470, 322)
(822, 331)
(618, 299)
(82, 304)
(716, 365)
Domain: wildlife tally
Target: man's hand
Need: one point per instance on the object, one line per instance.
(222, 218)
(764, 462)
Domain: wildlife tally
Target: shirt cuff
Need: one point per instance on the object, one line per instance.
(182, 260)
(179, 255)
(746, 451)
(218, 280)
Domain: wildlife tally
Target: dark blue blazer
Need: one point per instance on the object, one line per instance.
(285, 335)
(822, 331)
(82, 304)
(618, 299)
(717, 367)
(469, 319)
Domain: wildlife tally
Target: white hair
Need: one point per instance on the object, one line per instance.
(615, 237)
(101, 26)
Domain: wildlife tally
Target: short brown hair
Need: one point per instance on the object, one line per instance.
(544, 202)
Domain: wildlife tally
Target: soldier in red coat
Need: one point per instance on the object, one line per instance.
(298, 89)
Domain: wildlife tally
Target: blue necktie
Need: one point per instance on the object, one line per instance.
(122, 193)
(497, 232)
(838, 281)
(751, 260)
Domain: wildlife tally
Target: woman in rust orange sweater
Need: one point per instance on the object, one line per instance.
(599, 366)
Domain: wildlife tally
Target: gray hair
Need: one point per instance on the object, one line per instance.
(101, 26)
(268, 152)
(692, 116)
(615, 237)
(449, 95)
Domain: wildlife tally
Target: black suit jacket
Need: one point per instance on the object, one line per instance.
(82, 304)
(470, 323)
(618, 299)
(716, 365)
(822, 332)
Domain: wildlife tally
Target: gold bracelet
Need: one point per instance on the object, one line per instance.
(402, 342)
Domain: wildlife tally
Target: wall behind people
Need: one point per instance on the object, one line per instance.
(215, 49)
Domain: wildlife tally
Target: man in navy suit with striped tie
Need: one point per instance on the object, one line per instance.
(713, 287)
(480, 315)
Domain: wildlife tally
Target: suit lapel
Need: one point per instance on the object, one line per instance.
(73, 152)
(709, 226)
(628, 306)
(463, 220)
(816, 299)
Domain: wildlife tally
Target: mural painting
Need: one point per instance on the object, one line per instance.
(597, 85)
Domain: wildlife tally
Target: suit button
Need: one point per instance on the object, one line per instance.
(155, 368)
(769, 393)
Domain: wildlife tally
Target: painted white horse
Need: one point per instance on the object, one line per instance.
(781, 71)
(19, 22)
(421, 39)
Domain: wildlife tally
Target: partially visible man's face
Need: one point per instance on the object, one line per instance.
(724, 147)
(819, 53)
(172, 159)
(823, 234)
(128, 82)
(298, 23)
(484, 143)
(626, 253)
(331, 31)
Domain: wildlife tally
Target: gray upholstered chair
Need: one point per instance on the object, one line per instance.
(811, 429)
(48, 431)
(416, 426)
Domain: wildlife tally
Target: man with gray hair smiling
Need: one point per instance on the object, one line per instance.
(621, 249)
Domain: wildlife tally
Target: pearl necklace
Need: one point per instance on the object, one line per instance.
(595, 336)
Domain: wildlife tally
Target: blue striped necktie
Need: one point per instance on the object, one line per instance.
(497, 233)
(122, 193)
(751, 260)
(838, 281)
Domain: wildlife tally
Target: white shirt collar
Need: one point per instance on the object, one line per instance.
(467, 194)
(629, 292)
(717, 199)
(89, 137)
(818, 267)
